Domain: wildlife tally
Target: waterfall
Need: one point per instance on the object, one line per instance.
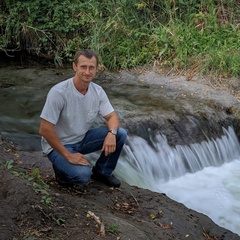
(203, 176)
(157, 161)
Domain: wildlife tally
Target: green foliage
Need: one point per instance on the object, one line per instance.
(114, 229)
(46, 201)
(59, 221)
(127, 33)
(34, 179)
(9, 164)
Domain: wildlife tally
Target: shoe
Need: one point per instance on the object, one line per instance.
(61, 178)
(108, 180)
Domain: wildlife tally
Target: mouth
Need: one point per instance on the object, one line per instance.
(88, 77)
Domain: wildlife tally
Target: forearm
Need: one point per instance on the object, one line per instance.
(48, 132)
(74, 158)
(113, 121)
(55, 143)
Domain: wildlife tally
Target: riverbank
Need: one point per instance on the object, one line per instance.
(32, 209)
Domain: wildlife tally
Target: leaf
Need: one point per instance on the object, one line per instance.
(152, 216)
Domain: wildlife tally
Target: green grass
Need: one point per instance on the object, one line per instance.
(128, 33)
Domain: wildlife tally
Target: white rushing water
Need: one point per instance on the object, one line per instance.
(204, 177)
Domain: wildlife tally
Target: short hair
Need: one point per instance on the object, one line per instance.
(87, 53)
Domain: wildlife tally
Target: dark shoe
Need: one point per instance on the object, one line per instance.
(108, 180)
(61, 178)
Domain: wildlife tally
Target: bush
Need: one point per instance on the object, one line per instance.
(127, 33)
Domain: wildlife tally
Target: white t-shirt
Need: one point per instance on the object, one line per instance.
(73, 113)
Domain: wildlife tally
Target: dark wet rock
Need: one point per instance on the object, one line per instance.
(148, 103)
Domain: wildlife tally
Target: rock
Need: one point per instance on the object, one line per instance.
(30, 209)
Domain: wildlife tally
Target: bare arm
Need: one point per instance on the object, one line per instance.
(109, 145)
(48, 132)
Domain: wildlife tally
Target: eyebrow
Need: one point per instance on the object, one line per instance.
(90, 67)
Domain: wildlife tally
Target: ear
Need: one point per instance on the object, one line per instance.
(74, 66)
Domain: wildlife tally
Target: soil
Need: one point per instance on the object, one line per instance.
(33, 206)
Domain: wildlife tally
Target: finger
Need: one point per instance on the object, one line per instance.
(84, 163)
(106, 153)
(84, 160)
(83, 157)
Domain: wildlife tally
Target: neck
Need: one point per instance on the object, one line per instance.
(82, 87)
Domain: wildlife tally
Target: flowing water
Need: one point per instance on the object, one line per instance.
(203, 176)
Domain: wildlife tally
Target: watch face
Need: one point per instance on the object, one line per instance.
(113, 132)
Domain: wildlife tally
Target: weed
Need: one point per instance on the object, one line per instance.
(59, 221)
(9, 165)
(128, 33)
(46, 200)
(113, 229)
(35, 180)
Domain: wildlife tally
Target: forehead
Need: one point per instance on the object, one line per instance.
(82, 60)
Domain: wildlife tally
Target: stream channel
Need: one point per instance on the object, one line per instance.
(168, 149)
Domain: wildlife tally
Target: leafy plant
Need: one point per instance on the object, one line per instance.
(46, 201)
(127, 33)
(9, 164)
(59, 221)
(34, 178)
(113, 229)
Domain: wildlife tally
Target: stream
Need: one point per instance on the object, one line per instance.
(202, 175)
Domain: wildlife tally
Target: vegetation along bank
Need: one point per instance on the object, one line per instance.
(193, 36)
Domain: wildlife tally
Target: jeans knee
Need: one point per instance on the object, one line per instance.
(83, 179)
(82, 175)
(122, 134)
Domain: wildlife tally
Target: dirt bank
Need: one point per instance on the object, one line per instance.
(34, 207)
(31, 209)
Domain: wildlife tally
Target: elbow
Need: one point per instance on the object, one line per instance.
(45, 128)
(40, 131)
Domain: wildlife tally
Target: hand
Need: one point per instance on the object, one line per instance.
(78, 159)
(109, 145)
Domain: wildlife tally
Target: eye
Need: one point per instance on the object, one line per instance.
(91, 68)
(83, 67)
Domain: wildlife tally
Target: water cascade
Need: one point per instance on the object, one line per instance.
(204, 176)
(178, 170)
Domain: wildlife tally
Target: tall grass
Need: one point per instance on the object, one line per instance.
(199, 34)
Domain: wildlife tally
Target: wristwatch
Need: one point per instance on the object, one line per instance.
(114, 132)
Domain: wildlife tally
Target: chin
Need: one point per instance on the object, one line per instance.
(87, 80)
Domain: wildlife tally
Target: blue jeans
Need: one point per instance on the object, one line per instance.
(93, 141)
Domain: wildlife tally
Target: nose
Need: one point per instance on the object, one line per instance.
(87, 70)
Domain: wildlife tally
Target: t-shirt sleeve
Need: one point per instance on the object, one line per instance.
(105, 105)
(53, 106)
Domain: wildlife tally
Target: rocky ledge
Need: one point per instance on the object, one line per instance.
(34, 207)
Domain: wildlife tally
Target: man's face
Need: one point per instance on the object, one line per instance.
(86, 68)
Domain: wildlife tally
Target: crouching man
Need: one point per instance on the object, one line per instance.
(66, 127)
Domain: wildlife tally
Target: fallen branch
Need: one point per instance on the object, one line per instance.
(97, 219)
(135, 199)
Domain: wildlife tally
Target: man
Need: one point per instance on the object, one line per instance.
(66, 120)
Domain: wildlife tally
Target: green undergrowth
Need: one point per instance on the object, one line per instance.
(34, 179)
(195, 35)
